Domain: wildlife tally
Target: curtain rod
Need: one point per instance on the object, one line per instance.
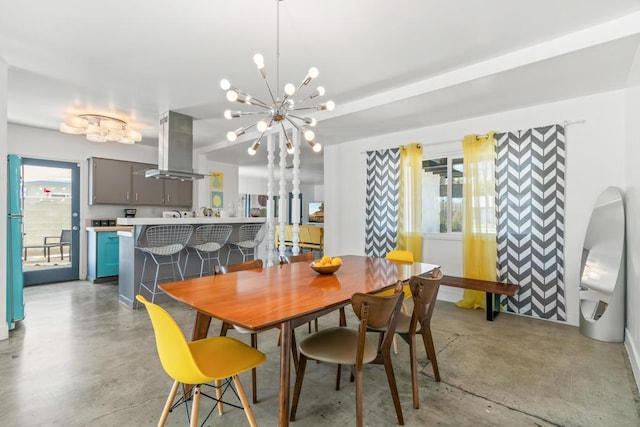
(565, 123)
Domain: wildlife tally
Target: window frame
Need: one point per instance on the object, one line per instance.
(450, 152)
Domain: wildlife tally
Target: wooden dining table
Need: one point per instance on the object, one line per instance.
(287, 296)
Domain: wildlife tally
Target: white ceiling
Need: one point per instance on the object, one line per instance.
(389, 65)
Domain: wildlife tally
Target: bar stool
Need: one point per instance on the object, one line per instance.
(250, 236)
(209, 240)
(163, 242)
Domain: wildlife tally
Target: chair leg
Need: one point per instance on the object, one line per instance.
(254, 376)
(431, 351)
(245, 403)
(413, 359)
(391, 378)
(359, 406)
(219, 396)
(195, 408)
(302, 365)
(294, 350)
(338, 374)
(168, 403)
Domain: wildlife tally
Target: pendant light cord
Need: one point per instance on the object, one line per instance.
(277, 46)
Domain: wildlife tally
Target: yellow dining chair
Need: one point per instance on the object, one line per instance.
(216, 359)
(345, 346)
(232, 268)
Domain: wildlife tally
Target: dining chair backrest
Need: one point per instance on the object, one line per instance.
(425, 293)
(400, 256)
(164, 235)
(216, 233)
(306, 257)
(174, 352)
(232, 268)
(377, 311)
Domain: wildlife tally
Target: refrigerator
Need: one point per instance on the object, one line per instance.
(15, 280)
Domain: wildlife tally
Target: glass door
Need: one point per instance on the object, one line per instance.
(51, 222)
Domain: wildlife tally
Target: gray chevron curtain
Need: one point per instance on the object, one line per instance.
(383, 188)
(530, 181)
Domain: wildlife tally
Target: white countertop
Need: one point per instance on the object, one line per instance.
(192, 220)
(108, 228)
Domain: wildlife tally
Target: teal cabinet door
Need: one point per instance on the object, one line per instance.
(107, 254)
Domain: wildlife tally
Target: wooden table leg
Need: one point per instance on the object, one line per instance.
(285, 361)
(201, 327)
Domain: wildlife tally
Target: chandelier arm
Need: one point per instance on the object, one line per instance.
(285, 134)
(298, 117)
(259, 103)
(249, 113)
(266, 82)
(295, 125)
(304, 108)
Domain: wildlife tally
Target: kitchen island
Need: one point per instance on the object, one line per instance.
(131, 260)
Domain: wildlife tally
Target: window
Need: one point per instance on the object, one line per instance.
(442, 195)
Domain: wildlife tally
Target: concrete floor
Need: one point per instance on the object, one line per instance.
(80, 358)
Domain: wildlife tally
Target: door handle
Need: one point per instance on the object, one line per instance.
(74, 228)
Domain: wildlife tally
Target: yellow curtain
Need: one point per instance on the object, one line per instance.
(410, 201)
(479, 222)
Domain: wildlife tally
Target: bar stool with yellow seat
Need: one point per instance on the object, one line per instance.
(215, 359)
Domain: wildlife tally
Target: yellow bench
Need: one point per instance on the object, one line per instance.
(310, 237)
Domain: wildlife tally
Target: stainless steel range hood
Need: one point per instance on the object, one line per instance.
(175, 148)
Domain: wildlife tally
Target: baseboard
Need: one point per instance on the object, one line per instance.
(449, 294)
(634, 356)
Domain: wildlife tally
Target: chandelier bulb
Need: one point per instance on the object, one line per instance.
(313, 72)
(227, 114)
(232, 95)
(254, 148)
(309, 135)
(289, 148)
(310, 121)
(225, 84)
(317, 147)
(258, 59)
(231, 136)
(330, 105)
(289, 89)
(320, 90)
(262, 125)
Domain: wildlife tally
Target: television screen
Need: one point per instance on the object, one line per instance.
(316, 211)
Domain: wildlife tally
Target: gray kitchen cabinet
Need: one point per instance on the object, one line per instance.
(118, 182)
(146, 191)
(178, 193)
(109, 181)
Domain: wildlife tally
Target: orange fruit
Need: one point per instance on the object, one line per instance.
(336, 261)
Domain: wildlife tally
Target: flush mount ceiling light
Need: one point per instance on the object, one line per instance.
(99, 128)
(278, 110)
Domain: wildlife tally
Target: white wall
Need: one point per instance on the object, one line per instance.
(595, 155)
(4, 327)
(632, 196)
(229, 184)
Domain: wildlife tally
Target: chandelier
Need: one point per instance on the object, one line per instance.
(99, 128)
(277, 110)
